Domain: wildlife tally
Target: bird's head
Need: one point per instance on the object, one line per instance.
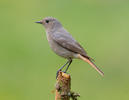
(50, 23)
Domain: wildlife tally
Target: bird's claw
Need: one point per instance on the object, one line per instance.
(58, 72)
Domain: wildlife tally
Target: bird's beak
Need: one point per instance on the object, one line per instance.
(39, 22)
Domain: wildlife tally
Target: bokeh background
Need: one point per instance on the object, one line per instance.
(28, 66)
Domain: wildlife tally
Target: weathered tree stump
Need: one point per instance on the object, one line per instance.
(63, 87)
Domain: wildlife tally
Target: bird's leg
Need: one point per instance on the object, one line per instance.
(70, 61)
(62, 67)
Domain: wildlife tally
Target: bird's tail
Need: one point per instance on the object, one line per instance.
(91, 63)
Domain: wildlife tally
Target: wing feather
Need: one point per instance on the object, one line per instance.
(68, 42)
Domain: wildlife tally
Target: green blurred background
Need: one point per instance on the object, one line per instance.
(28, 66)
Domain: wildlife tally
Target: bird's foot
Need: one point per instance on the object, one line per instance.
(58, 72)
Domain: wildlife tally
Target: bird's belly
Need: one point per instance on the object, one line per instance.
(59, 50)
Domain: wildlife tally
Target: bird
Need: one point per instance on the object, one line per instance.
(64, 45)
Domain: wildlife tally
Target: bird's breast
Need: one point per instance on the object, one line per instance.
(59, 50)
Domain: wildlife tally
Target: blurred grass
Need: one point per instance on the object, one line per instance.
(28, 66)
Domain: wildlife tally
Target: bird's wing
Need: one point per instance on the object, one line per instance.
(68, 42)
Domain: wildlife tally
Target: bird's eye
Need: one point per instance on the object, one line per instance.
(47, 21)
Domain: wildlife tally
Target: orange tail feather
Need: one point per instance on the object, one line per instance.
(91, 63)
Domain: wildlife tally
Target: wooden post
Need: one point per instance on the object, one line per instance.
(63, 87)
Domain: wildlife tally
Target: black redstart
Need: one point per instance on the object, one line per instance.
(63, 44)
